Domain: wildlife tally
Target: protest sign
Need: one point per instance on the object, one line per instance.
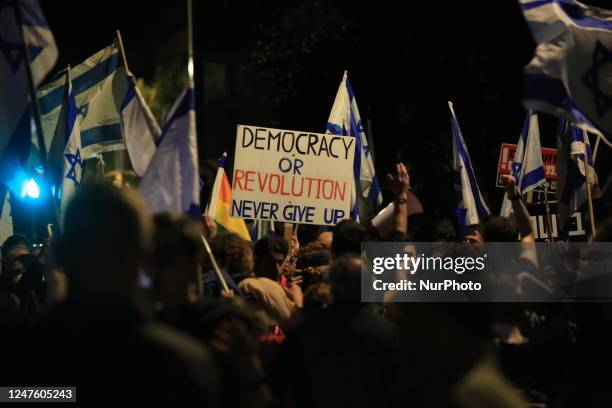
(537, 216)
(549, 157)
(292, 176)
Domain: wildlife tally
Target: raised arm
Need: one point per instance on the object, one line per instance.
(521, 215)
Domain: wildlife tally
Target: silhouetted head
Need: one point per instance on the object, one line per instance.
(106, 237)
(233, 253)
(345, 279)
(270, 253)
(347, 237)
(177, 259)
(500, 229)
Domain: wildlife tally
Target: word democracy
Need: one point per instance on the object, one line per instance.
(297, 142)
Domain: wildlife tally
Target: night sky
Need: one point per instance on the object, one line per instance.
(283, 61)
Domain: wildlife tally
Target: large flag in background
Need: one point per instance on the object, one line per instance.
(15, 108)
(6, 218)
(100, 86)
(569, 75)
(67, 170)
(140, 129)
(220, 202)
(471, 208)
(344, 119)
(527, 166)
(574, 163)
(172, 181)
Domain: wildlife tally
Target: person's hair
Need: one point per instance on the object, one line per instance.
(476, 228)
(271, 244)
(176, 236)
(313, 259)
(16, 240)
(345, 279)
(500, 229)
(106, 234)
(347, 237)
(230, 251)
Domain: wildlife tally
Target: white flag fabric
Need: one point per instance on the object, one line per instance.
(6, 218)
(569, 75)
(100, 85)
(172, 181)
(72, 163)
(527, 165)
(15, 109)
(345, 120)
(140, 129)
(471, 208)
(42, 49)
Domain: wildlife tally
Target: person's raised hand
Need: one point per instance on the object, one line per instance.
(209, 227)
(509, 184)
(400, 181)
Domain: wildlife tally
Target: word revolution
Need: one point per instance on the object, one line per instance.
(285, 185)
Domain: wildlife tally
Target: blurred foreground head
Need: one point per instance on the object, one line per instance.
(106, 236)
(500, 229)
(347, 237)
(345, 279)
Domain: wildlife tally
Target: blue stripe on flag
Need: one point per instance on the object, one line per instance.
(550, 90)
(81, 83)
(32, 14)
(374, 189)
(535, 4)
(131, 91)
(577, 15)
(187, 103)
(101, 134)
(532, 178)
(72, 116)
(482, 212)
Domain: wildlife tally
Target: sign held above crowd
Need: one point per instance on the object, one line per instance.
(292, 176)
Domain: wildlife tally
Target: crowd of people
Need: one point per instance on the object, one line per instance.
(127, 306)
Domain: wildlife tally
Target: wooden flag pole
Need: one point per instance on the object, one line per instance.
(547, 212)
(596, 148)
(190, 68)
(215, 265)
(122, 51)
(587, 174)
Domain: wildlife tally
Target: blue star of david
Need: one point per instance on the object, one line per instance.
(11, 50)
(83, 110)
(74, 160)
(601, 57)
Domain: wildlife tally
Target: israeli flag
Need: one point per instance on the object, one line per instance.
(139, 127)
(574, 165)
(6, 218)
(345, 120)
(172, 182)
(569, 75)
(15, 109)
(100, 86)
(471, 208)
(527, 167)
